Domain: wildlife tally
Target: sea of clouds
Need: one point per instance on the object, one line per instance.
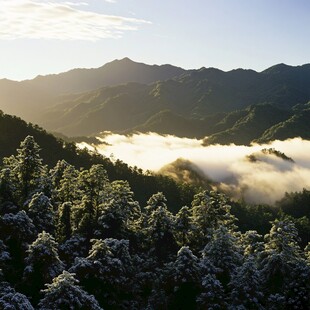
(263, 181)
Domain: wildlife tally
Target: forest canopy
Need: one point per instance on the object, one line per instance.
(74, 239)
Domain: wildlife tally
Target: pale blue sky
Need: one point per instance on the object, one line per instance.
(52, 36)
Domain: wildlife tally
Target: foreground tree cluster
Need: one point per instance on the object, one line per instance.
(72, 239)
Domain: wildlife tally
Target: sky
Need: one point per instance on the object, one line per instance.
(53, 36)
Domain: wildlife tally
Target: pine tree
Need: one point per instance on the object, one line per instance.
(64, 293)
(297, 287)
(155, 201)
(12, 300)
(182, 280)
(252, 243)
(223, 252)
(64, 229)
(84, 219)
(74, 247)
(40, 210)
(307, 253)
(183, 226)
(42, 264)
(246, 287)
(28, 169)
(119, 215)
(281, 254)
(57, 173)
(212, 296)
(7, 190)
(101, 273)
(17, 230)
(68, 188)
(95, 185)
(210, 211)
(5, 258)
(159, 231)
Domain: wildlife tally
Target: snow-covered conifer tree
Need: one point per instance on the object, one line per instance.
(12, 300)
(224, 253)
(40, 210)
(65, 293)
(42, 264)
(246, 287)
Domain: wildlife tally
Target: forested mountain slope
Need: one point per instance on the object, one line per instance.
(13, 130)
(126, 96)
(74, 239)
(28, 98)
(195, 100)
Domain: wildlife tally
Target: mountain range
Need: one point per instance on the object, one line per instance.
(238, 106)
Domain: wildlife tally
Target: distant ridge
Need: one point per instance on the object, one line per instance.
(127, 96)
(28, 98)
(113, 73)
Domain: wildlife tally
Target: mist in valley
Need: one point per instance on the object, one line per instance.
(243, 172)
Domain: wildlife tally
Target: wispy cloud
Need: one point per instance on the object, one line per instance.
(76, 3)
(62, 20)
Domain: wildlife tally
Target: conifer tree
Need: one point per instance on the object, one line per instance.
(40, 210)
(7, 190)
(281, 254)
(64, 293)
(57, 172)
(120, 214)
(297, 287)
(183, 226)
(68, 187)
(28, 169)
(212, 295)
(5, 259)
(17, 230)
(246, 287)
(307, 253)
(156, 200)
(101, 273)
(76, 246)
(95, 185)
(12, 300)
(224, 253)
(182, 280)
(84, 219)
(64, 228)
(42, 264)
(159, 231)
(252, 243)
(210, 211)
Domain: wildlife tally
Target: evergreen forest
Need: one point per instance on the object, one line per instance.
(76, 237)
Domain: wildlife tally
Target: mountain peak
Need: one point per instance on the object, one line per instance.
(124, 60)
(279, 68)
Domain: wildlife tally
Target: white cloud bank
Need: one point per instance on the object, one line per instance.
(62, 20)
(263, 181)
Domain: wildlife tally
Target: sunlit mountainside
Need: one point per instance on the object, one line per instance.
(123, 96)
(41, 92)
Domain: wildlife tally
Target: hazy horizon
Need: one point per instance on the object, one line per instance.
(150, 64)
